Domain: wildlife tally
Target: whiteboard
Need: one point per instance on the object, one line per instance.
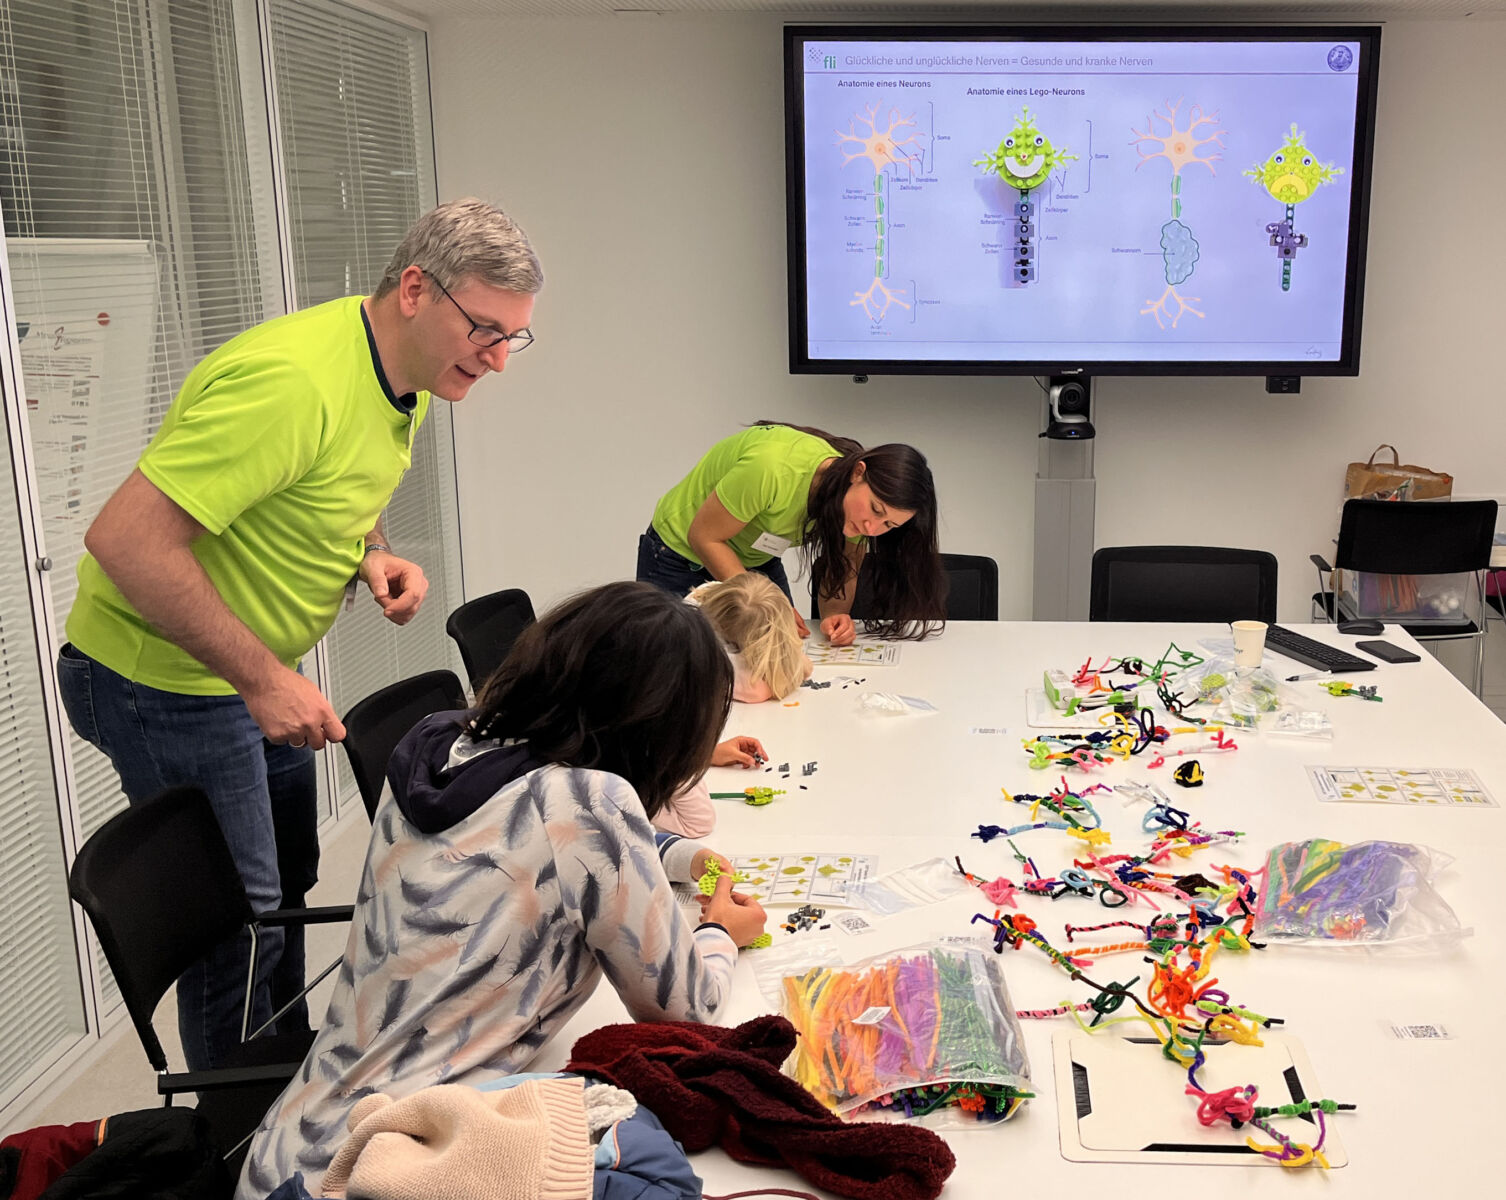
(86, 322)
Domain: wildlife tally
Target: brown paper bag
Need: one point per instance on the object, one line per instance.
(1395, 480)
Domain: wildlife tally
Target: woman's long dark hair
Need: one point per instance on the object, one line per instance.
(622, 678)
(903, 585)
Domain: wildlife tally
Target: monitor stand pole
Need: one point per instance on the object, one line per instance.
(1065, 497)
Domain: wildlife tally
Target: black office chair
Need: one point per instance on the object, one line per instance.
(485, 629)
(1182, 583)
(161, 890)
(1403, 540)
(375, 725)
(972, 590)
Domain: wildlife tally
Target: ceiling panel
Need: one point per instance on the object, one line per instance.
(1175, 10)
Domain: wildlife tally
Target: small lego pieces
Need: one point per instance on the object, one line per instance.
(802, 918)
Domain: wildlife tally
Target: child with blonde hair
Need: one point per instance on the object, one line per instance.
(757, 625)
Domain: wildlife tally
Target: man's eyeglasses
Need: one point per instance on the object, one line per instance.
(486, 335)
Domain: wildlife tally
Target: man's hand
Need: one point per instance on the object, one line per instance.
(292, 710)
(839, 629)
(738, 752)
(398, 585)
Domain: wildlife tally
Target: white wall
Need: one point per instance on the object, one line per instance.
(645, 158)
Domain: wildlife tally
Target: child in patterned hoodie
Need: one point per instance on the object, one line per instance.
(513, 864)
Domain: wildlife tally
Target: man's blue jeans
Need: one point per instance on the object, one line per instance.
(265, 798)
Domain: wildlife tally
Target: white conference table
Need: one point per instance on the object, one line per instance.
(909, 788)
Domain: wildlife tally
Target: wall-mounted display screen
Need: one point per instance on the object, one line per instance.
(1111, 200)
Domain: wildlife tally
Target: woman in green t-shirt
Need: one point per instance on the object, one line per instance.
(772, 486)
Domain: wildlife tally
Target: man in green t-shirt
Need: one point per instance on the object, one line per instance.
(223, 558)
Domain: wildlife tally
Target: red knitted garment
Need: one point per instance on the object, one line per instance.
(713, 1086)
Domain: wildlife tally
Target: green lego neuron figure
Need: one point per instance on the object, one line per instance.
(1024, 161)
(1291, 175)
(1026, 156)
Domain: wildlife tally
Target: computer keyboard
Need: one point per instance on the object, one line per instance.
(1314, 653)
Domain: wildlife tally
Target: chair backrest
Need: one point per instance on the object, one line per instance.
(485, 629)
(1182, 583)
(972, 590)
(375, 725)
(1418, 537)
(972, 587)
(161, 889)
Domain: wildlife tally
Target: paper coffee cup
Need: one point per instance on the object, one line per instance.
(1249, 642)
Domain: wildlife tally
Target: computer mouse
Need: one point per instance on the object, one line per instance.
(1366, 626)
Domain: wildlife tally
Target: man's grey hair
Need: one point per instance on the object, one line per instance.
(467, 240)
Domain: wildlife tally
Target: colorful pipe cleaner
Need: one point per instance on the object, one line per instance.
(1183, 1005)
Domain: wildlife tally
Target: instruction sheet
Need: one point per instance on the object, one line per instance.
(1442, 787)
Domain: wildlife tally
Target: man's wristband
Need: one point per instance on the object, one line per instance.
(370, 546)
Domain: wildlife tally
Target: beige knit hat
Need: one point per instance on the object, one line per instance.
(453, 1142)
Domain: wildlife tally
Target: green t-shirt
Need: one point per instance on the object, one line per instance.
(285, 444)
(761, 475)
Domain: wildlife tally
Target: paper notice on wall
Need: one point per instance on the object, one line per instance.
(86, 314)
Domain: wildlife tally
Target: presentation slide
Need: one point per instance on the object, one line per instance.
(1084, 202)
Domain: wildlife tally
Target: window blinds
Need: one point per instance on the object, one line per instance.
(357, 153)
(136, 187)
(141, 232)
(41, 994)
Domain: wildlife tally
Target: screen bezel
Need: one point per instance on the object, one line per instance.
(1348, 363)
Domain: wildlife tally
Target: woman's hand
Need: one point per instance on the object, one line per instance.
(741, 916)
(801, 627)
(839, 629)
(738, 752)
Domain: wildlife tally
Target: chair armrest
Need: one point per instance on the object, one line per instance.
(1320, 562)
(171, 1084)
(306, 916)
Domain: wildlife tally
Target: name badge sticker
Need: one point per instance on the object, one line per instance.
(771, 543)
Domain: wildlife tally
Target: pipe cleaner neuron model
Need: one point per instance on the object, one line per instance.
(1183, 1006)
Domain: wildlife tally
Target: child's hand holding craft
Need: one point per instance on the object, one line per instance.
(740, 915)
(703, 858)
(739, 752)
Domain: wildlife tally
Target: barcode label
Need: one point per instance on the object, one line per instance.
(1421, 1032)
(871, 1016)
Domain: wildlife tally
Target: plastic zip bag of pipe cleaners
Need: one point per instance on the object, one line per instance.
(927, 1033)
(1323, 893)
